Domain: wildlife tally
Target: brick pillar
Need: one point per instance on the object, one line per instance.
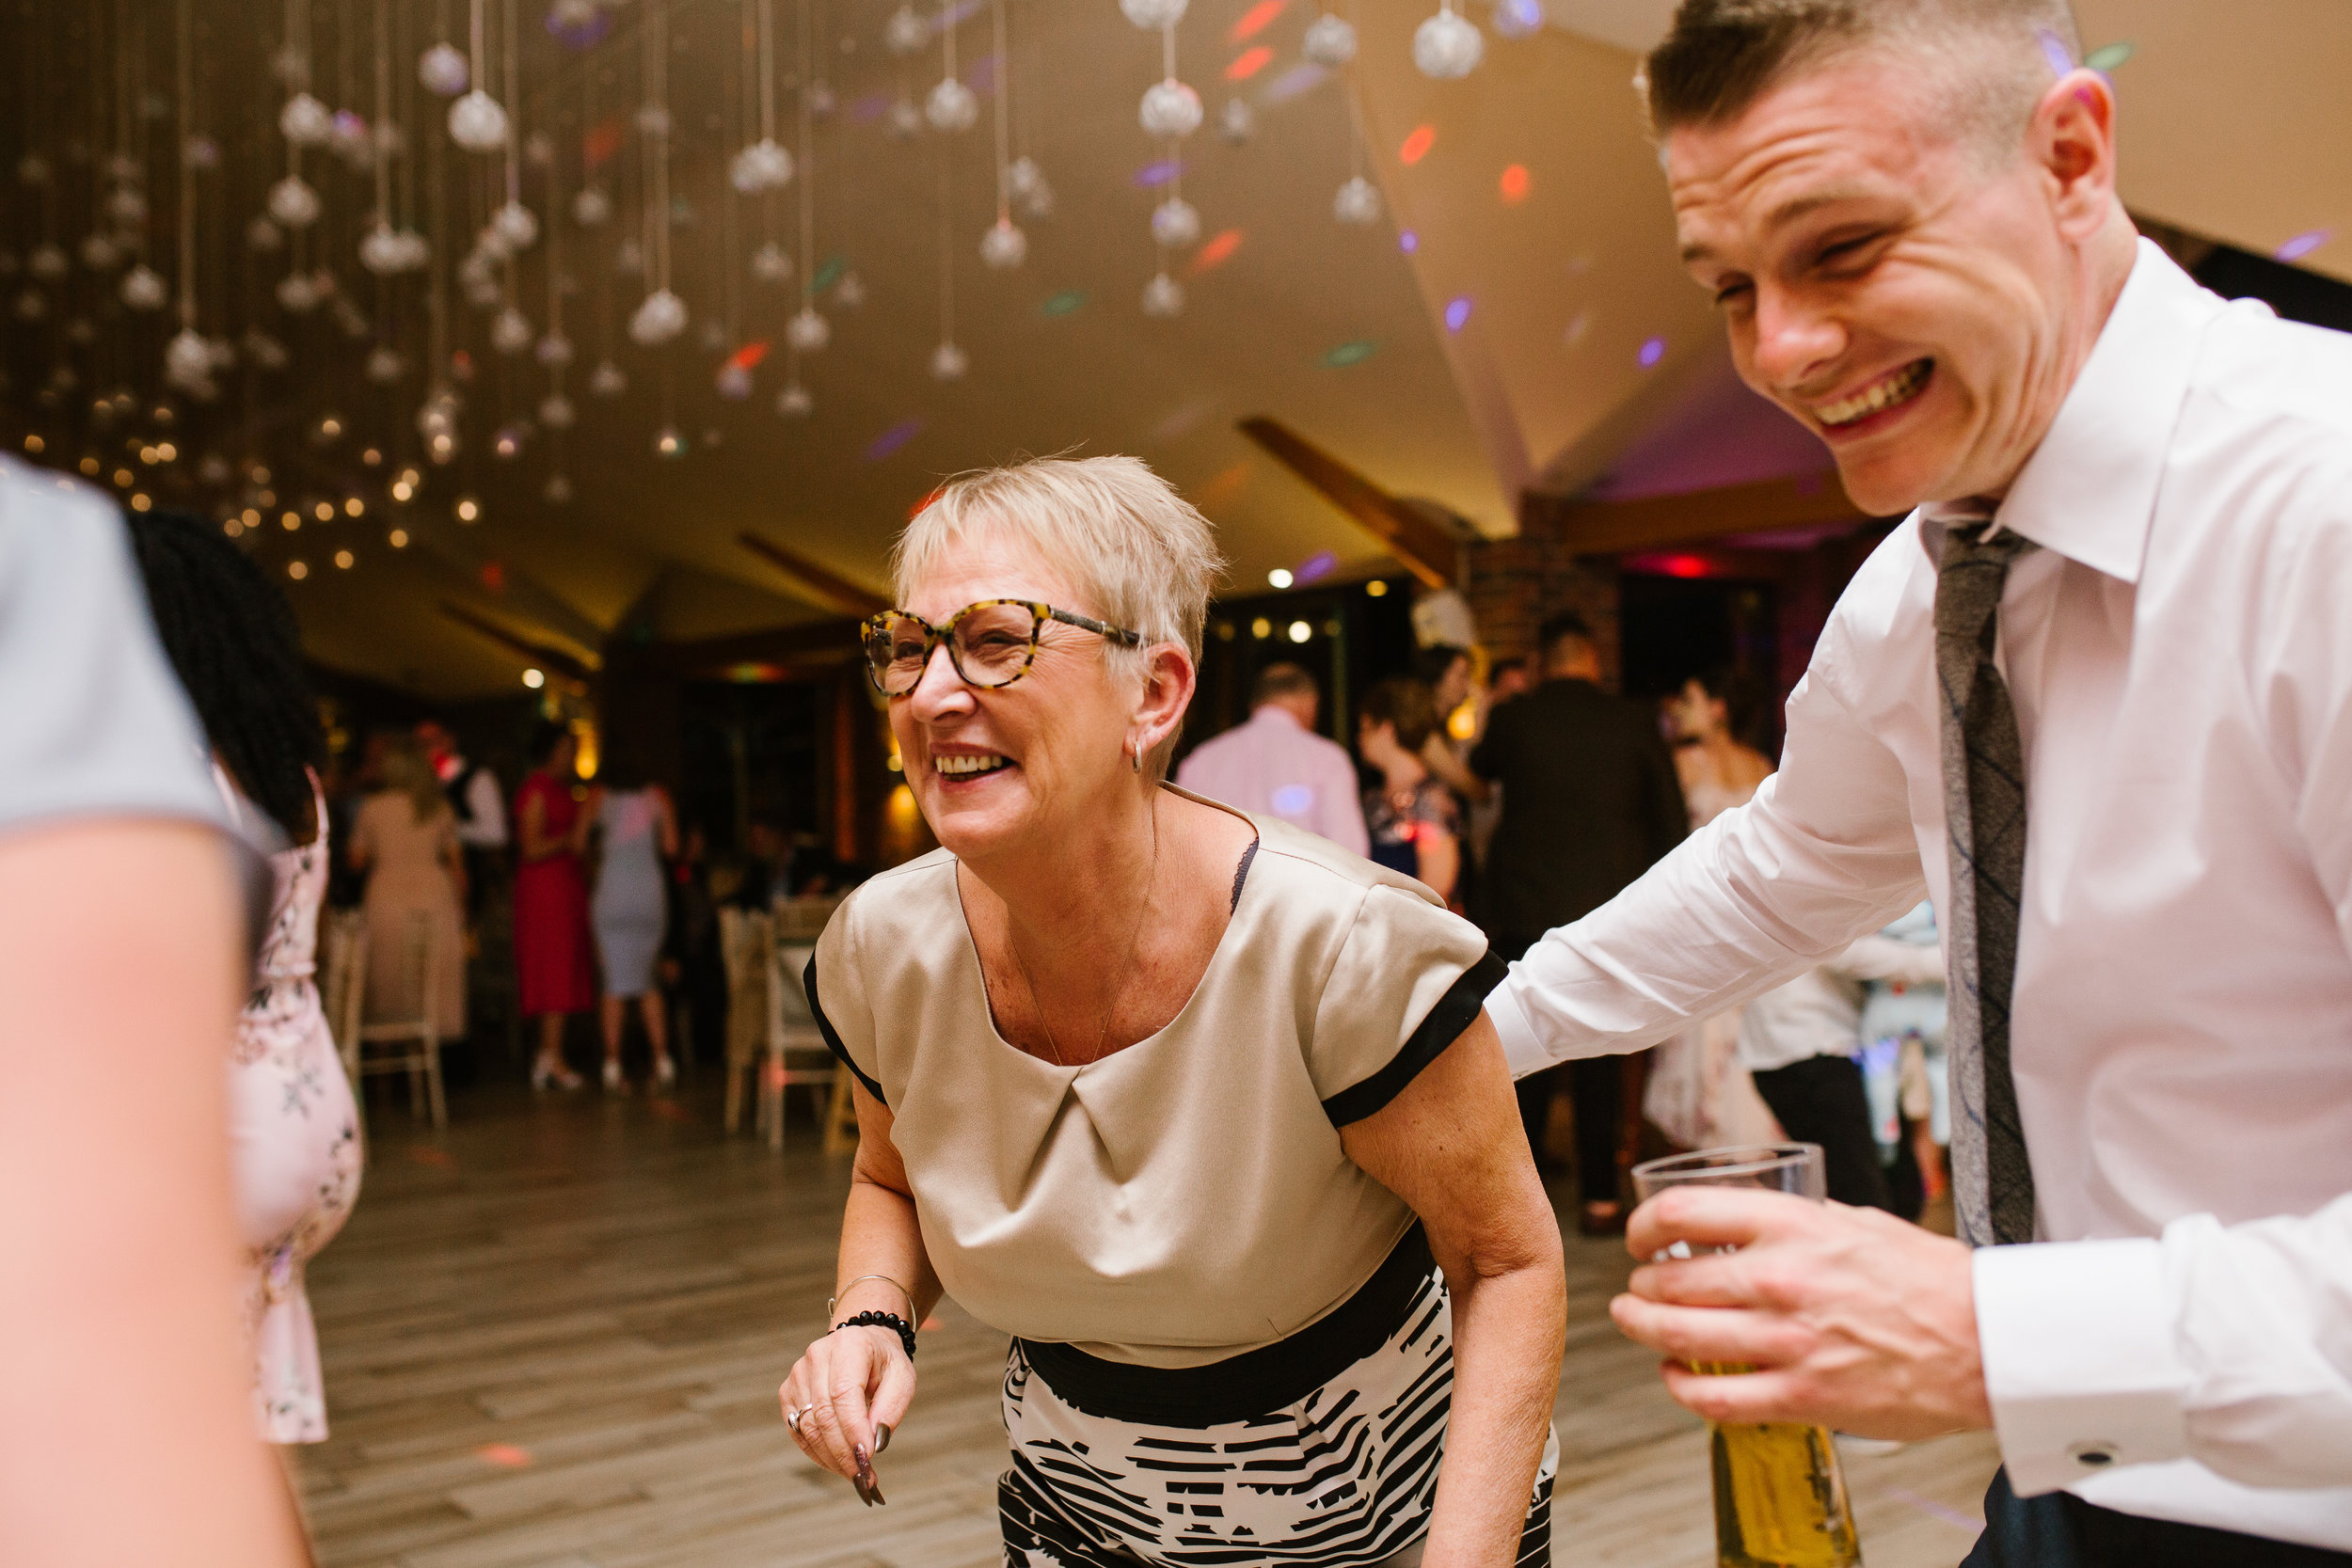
(1514, 585)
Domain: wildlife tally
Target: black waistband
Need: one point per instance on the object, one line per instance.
(1271, 1377)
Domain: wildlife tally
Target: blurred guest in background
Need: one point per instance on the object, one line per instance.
(1904, 1072)
(1590, 803)
(126, 1427)
(1506, 678)
(1448, 672)
(693, 966)
(636, 830)
(474, 795)
(1277, 766)
(293, 1127)
(1414, 824)
(555, 972)
(764, 870)
(406, 840)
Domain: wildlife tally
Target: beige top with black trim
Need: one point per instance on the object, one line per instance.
(1184, 1199)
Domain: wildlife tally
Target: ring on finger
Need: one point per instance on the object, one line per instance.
(792, 1417)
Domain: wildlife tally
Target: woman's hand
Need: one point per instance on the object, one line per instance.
(845, 1395)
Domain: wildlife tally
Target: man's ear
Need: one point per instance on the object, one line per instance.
(2072, 136)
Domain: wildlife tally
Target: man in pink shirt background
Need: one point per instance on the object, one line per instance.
(1277, 766)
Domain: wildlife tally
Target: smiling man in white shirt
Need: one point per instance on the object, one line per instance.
(2093, 697)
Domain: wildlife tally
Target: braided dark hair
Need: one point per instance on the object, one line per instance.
(231, 640)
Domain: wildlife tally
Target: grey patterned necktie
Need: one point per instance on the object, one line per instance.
(1985, 809)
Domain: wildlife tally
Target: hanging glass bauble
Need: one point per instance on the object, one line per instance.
(32, 169)
(483, 293)
(516, 225)
(1330, 41)
(477, 122)
(556, 412)
(143, 289)
(293, 203)
(383, 252)
(904, 121)
(1170, 110)
(386, 366)
(1448, 46)
(949, 362)
(291, 66)
(1237, 121)
(416, 250)
(628, 259)
(807, 331)
(127, 206)
(734, 381)
(201, 153)
(1004, 247)
(608, 380)
(264, 236)
(717, 335)
(511, 332)
(490, 248)
(262, 351)
(794, 402)
(849, 292)
(761, 167)
(350, 138)
(1021, 176)
(670, 443)
(1519, 19)
(660, 319)
(591, 207)
(507, 444)
(1176, 223)
(188, 357)
(821, 101)
(558, 488)
(555, 351)
(444, 70)
(1037, 203)
(297, 293)
(1358, 203)
(305, 121)
(99, 252)
(1153, 15)
(952, 106)
(906, 31)
(47, 262)
(539, 149)
(653, 120)
(1163, 296)
(771, 263)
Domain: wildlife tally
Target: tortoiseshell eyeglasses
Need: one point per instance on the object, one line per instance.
(991, 643)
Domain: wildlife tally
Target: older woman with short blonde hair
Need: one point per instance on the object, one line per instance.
(1200, 1109)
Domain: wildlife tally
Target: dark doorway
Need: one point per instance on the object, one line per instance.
(1671, 628)
(1352, 637)
(751, 754)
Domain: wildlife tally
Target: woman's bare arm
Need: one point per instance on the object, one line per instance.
(1438, 858)
(665, 817)
(530, 830)
(1451, 1146)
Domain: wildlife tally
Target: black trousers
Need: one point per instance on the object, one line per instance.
(2061, 1530)
(1820, 1101)
(1597, 1087)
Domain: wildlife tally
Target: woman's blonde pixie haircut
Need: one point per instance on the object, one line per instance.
(1142, 555)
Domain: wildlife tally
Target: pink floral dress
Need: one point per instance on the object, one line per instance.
(294, 1143)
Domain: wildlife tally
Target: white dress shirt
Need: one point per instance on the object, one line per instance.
(1276, 766)
(1820, 1013)
(2180, 653)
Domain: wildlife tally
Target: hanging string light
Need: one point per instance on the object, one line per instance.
(1004, 247)
(1027, 182)
(952, 106)
(1448, 46)
(187, 358)
(808, 331)
(948, 361)
(1358, 203)
(764, 166)
(477, 121)
(661, 316)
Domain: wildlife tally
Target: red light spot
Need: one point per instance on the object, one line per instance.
(1219, 249)
(494, 577)
(1256, 20)
(506, 1456)
(916, 510)
(750, 354)
(1515, 183)
(1416, 145)
(601, 142)
(1248, 63)
(1683, 565)
(1226, 486)
(424, 1155)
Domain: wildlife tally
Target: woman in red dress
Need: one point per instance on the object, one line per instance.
(555, 969)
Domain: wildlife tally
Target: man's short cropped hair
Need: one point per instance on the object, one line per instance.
(1985, 62)
(1278, 681)
(1553, 637)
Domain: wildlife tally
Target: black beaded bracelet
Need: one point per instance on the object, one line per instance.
(882, 1320)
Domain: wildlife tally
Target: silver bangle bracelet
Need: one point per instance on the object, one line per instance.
(832, 1302)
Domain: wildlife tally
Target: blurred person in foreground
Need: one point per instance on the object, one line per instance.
(1276, 765)
(1195, 1104)
(294, 1127)
(126, 1431)
(2094, 698)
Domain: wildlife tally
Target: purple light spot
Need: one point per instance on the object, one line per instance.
(982, 78)
(1320, 565)
(2055, 51)
(2302, 245)
(1456, 312)
(892, 440)
(1297, 79)
(1408, 242)
(1159, 173)
(869, 108)
(1653, 350)
(583, 33)
(963, 12)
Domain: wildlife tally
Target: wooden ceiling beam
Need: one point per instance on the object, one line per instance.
(1424, 547)
(1609, 528)
(817, 584)
(545, 656)
(811, 644)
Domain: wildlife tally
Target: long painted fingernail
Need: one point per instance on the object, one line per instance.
(882, 1437)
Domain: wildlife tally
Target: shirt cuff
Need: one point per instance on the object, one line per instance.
(2080, 1360)
(1521, 1047)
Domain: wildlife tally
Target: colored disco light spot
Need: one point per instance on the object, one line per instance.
(750, 355)
(1457, 312)
(754, 675)
(1670, 565)
(892, 440)
(869, 108)
(919, 507)
(2302, 245)
(1653, 350)
(1321, 564)
(829, 272)
(1256, 20)
(506, 1456)
(574, 31)
(1248, 63)
(1297, 79)
(1225, 488)
(1219, 249)
(1417, 144)
(2055, 51)
(2108, 57)
(1408, 242)
(602, 141)
(1353, 353)
(1516, 183)
(1063, 303)
(1160, 173)
(494, 577)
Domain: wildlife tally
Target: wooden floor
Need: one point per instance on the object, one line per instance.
(553, 1337)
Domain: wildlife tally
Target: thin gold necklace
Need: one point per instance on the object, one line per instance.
(1126, 965)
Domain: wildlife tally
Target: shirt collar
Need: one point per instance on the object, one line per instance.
(2089, 491)
(1269, 713)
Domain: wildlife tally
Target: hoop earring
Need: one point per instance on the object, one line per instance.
(1134, 756)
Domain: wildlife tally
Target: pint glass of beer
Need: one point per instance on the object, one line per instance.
(1780, 1499)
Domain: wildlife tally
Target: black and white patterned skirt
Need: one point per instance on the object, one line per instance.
(1234, 1465)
